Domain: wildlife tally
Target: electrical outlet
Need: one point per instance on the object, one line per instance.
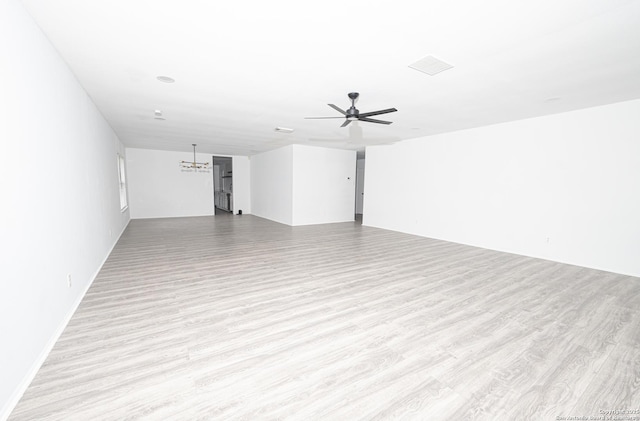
(69, 280)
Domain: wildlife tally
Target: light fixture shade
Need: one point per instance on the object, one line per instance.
(166, 79)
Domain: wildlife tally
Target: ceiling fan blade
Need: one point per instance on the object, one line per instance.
(315, 118)
(335, 107)
(370, 113)
(373, 120)
(346, 123)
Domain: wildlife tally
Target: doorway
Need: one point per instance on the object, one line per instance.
(223, 185)
(359, 189)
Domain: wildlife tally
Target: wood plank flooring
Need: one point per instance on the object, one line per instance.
(240, 318)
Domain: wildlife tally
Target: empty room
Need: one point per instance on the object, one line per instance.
(329, 211)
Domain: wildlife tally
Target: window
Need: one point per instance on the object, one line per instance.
(123, 183)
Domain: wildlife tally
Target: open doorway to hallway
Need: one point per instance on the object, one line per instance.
(359, 187)
(223, 185)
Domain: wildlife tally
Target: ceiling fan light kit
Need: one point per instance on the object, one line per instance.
(353, 114)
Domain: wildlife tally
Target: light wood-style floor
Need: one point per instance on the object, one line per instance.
(215, 318)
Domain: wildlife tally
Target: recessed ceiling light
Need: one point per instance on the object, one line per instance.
(284, 129)
(157, 114)
(166, 79)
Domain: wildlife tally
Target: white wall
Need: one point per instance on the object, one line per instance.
(241, 184)
(159, 188)
(564, 187)
(323, 185)
(272, 185)
(300, 185)
(60, 209)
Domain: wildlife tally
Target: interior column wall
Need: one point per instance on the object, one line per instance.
(241, 184)
(272, 185)
(302, 185)
(323, 185)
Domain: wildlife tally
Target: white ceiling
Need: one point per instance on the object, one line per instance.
(244, 68)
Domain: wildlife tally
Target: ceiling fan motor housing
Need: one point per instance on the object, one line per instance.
(352, 112)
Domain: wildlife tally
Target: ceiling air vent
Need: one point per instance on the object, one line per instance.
(430, 65)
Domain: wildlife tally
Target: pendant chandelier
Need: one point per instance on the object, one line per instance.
(194, 166)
